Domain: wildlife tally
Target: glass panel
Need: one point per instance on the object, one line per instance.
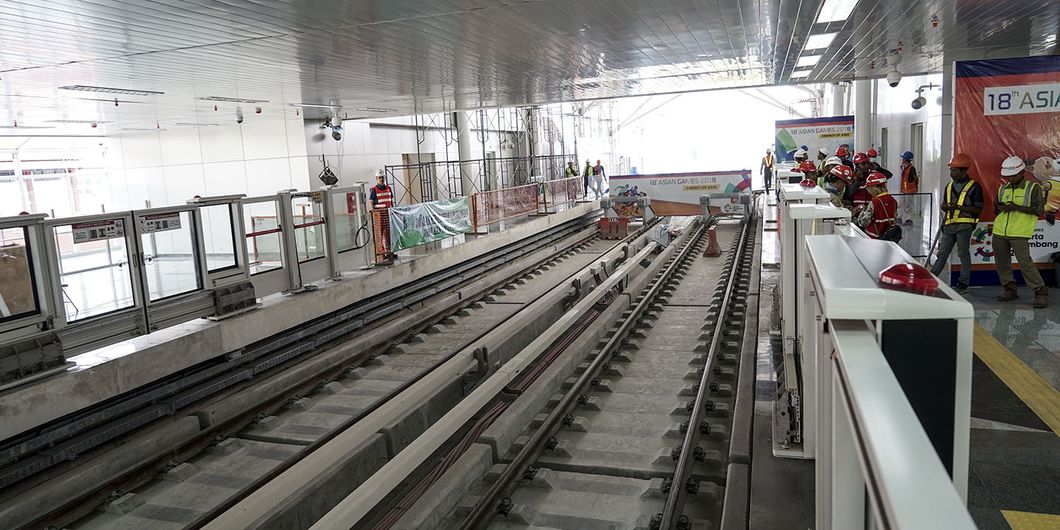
(309, 239)
(264, 244)
(344, 215)
(95, 276)
(18, 292)
(219, 237)
(170, 263)
(915, 215)
(10, 198)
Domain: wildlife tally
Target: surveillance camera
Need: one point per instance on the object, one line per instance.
(336, 133)
(894, 77)
(919, 103)
(239, 115)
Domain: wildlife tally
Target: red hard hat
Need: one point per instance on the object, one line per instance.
(873, 153)
(843, 172)
(860, 157)
(806, 165)
(808, 182)
(960, 160)
(876, 179)
(841, 152)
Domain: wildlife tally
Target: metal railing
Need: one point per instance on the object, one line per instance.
(449, 179)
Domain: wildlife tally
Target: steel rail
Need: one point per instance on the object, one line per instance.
(482, 513)
(670, 515)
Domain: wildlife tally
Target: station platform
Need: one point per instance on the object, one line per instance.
(114, 370)
(1015, 424)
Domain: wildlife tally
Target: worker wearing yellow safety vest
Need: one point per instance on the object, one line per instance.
(1020, 202)
(961, 205)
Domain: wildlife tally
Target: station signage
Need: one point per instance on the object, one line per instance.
(678, 193)
(97, 230)
(814, 133)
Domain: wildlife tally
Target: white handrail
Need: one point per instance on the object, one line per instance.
(908, 486)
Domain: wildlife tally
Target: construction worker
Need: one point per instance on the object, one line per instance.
(585, 177)
(843, 153)
(1020, 202)
(598, 179)
(769, 164)
(836, 183)
(961, 205)
(858, 196)
(571, 171)
(879, 214)
(800, 156)
(805, 170)
(382, 195)
(910, 180)
(826, 168)
(822, 155)
(873, 154)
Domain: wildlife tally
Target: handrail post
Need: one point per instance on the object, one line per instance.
(285, 217)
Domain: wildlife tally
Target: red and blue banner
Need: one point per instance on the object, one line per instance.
(1010, 107)
(813, 134)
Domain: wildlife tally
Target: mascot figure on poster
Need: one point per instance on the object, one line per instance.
(1047, 171)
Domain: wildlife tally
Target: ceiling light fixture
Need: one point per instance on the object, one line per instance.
(183, 124)
(315, 106)
(817, 42)
(800, 74)
(26, 127)
(233, 100)
(374, 109)
(836, 10)
(807, 60)
(111, 90)
(76, 121)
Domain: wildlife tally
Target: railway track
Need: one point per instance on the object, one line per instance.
(263, 421)
(638, 436)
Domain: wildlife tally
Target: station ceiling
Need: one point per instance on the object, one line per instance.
(174, 61)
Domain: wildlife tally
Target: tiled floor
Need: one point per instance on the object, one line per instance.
(1033, 335)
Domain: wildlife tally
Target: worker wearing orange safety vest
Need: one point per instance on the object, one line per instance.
(910, 180)
(879, 214)
(382, 195)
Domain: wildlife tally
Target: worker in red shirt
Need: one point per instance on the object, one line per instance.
(382, 195)
(858, 196)
(879, 215)
(805, 170)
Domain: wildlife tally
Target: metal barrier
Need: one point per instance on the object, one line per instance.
(428, 181)
(891, 376)
(95, 280)
(489, 207)
(561, 192)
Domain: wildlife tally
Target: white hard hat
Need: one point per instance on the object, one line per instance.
(799, 152)
(833, 161)
(1012, 166)
(823, 151)
(769, 149)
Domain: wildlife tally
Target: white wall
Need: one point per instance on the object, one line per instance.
(258, 157)
(894, 112)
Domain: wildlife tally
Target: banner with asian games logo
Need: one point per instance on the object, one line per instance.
(1010, 107)
(677, 193)
(419, 224)
(814, 133)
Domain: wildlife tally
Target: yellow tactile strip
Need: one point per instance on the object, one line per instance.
(1038, 394)
(1031, 521)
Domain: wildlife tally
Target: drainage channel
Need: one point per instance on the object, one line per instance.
(205, 479)
(638, 435)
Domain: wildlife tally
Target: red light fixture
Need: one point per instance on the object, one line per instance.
(909, 277)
